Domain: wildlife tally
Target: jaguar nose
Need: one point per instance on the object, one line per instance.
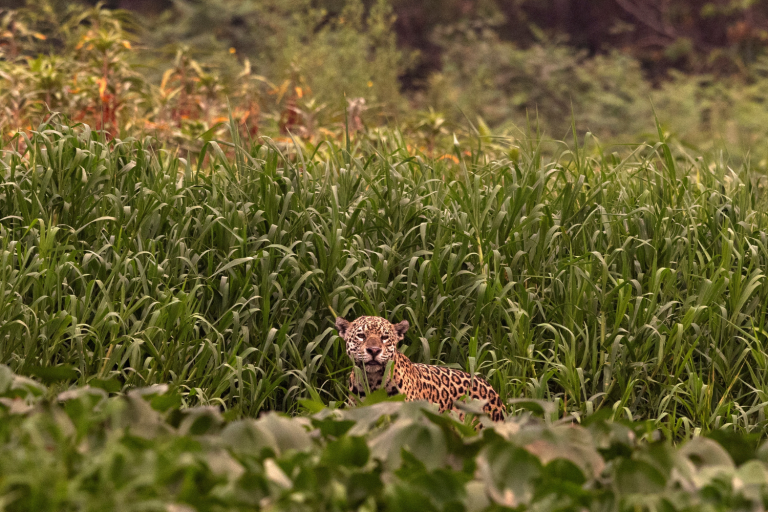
(373, 351)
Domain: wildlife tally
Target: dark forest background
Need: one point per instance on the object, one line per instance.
(690, 35)
(695, 36)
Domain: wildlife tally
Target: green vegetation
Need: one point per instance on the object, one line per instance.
(633, 285)
(97, 67)
(284, 66)
(184, 212)
(83, 451)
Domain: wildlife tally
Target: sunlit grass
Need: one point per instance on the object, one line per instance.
(633, 284)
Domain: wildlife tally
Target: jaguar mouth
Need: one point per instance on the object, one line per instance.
(371, 363)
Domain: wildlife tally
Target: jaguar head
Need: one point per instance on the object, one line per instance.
(371, 340)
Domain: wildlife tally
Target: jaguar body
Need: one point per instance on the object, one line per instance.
(371, 342)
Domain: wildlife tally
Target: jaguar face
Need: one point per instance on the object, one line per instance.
(371, 340)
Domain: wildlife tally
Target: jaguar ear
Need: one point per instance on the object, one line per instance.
(401, 329)
(341, 325)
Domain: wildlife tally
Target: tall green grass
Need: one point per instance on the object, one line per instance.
(633, 285)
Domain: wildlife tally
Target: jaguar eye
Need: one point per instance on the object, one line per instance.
(360, 336)
(384, 337)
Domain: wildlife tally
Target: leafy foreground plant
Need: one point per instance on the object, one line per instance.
(84, 451)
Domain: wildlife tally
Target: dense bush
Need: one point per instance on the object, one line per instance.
(550, 86)
(82, 451)
(278, 67)
(282, 68)
(502, 83)
(353, 52)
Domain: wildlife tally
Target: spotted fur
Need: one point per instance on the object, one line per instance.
(372, 342)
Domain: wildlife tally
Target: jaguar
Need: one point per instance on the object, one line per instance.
(371, 342)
